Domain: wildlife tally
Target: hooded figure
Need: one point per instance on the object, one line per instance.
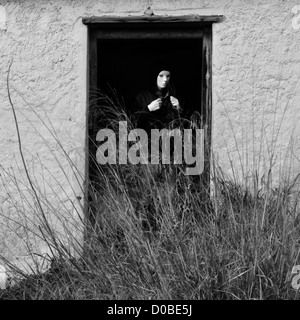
(157, 106)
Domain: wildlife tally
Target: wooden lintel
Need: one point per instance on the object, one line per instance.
(152, 19)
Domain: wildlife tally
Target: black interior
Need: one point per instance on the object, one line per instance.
(127, 66)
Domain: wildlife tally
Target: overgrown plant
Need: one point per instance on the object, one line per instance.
(153, 239)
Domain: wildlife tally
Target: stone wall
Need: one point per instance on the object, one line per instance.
(256, 96)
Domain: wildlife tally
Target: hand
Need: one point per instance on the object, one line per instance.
(175, 102)
(155, 105)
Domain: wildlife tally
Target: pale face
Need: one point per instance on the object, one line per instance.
(163, 79)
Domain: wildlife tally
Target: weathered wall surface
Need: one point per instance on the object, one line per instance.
(256, 91)
(256, 96)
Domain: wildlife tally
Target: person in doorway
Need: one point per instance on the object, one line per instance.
(157, 107)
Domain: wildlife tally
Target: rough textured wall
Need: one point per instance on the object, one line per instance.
(256, 91)
(255, 100)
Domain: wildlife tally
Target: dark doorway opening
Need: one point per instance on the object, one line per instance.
(127, 67)
(122, 55)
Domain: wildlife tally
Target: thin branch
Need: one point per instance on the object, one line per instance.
(23, 159)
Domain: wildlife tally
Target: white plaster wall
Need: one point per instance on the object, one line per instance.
(256, 97)
(256, 92)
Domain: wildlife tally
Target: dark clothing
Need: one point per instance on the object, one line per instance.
(163, 118)
(166, 117)
(158, 119)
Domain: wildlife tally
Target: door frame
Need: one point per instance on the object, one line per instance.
(153, 27)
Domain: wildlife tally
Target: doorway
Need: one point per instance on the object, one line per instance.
(123, 53)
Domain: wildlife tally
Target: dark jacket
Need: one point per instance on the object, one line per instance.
(160, 118)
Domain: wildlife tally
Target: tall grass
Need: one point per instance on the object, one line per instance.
(158, 239)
